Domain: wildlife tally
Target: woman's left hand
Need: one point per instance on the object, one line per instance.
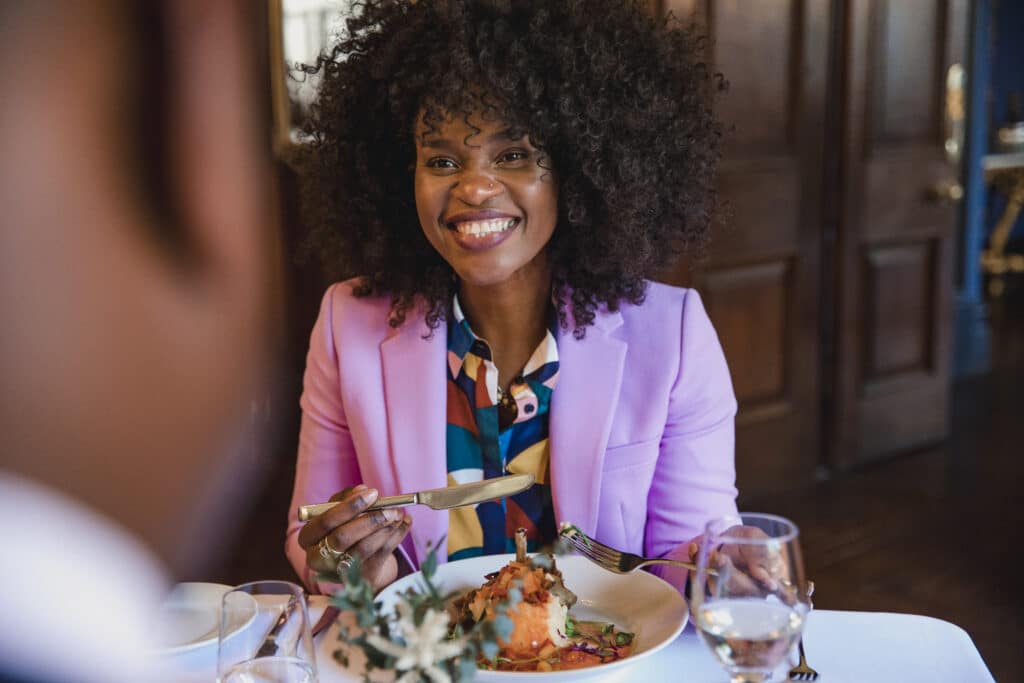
(751, 569)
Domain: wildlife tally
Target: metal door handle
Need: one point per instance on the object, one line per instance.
(945, 191)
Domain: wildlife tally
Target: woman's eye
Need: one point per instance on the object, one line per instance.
(440, 162)
(514, 155)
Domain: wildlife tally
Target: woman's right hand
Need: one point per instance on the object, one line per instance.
(372, 536)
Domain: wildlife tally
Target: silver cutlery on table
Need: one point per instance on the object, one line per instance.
(440, 499)
(803, 672)
(611, 559)
(326, 619)
(270, 645)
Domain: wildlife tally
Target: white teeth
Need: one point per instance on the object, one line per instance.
(481, 228)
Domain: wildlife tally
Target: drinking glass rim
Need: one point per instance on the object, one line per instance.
(294, 587)
(792, 532)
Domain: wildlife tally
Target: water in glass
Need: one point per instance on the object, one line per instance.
(752, 614)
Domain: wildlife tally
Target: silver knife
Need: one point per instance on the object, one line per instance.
(440, 499)
(269, 646)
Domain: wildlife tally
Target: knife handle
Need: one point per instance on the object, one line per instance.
(308, 512)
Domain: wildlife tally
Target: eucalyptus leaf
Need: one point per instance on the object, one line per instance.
(490, 649)
(503, 626)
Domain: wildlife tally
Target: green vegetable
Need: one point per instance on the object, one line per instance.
(623, 638)
(570, 626)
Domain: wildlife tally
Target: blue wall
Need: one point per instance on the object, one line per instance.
(996, 68)
(979, 67)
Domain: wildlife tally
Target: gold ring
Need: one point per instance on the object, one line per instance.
(327, 552)
(342, 560)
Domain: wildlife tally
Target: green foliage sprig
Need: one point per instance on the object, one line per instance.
(417, 642)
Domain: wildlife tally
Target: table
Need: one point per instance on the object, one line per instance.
(1006, 173)
(846, 647)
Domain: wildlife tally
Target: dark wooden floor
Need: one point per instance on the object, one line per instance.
(936, 532)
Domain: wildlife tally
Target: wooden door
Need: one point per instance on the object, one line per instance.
(895, 243)
(761, 281)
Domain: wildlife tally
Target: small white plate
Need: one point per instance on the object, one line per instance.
(639, 603)
(189, 617)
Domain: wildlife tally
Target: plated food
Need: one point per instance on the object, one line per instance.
(638, 603)
(545, 635)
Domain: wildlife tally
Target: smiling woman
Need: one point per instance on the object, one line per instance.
(502, 175)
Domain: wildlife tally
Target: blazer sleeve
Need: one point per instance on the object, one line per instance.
(695, 476)
(326, 460)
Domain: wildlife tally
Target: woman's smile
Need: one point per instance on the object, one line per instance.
(479, 230)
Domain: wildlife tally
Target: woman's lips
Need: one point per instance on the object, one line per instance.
(479, 235)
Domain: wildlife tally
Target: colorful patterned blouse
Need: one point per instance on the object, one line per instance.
(479, 449)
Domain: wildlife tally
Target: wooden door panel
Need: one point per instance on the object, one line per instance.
(906, 53)
(898, 208)
(898, 311)
(894, 243)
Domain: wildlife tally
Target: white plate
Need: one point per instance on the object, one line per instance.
(189, 617)
(639, 603)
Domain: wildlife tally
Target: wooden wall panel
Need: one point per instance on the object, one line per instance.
(758, 194)
(749, 305)
(760, 119)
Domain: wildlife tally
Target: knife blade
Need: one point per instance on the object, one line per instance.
(269, 646)
(326, 619)
(440, 499)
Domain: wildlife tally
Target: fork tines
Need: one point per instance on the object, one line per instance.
(607, 557)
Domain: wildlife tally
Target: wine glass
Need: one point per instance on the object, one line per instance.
(751, 613)
(272, 644)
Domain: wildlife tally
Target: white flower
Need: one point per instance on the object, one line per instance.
(425, 646)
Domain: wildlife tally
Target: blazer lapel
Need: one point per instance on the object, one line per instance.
(582, 406)
(415, 396)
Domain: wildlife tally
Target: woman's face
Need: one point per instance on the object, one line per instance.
(483, 201)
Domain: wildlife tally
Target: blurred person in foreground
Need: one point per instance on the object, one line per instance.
(133, 282)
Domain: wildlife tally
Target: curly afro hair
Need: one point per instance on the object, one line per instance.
(617, 101)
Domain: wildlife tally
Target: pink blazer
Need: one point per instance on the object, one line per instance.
(641, 431)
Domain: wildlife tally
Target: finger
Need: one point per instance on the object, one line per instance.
(694, 548)
(344, 492)
(317, 563)
(349, 536)
(764, 578)
(367, 543)
(764, 566)
(371, 543)
(737, 582)
(377, 567)
(349, 505)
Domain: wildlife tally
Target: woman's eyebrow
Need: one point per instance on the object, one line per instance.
(507, 135)
(438, 143)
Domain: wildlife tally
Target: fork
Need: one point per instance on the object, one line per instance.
(802, 672)
(611, 559)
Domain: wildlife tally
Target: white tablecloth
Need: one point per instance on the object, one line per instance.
(846, 647)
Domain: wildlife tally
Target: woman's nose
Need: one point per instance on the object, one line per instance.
(475, 188)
